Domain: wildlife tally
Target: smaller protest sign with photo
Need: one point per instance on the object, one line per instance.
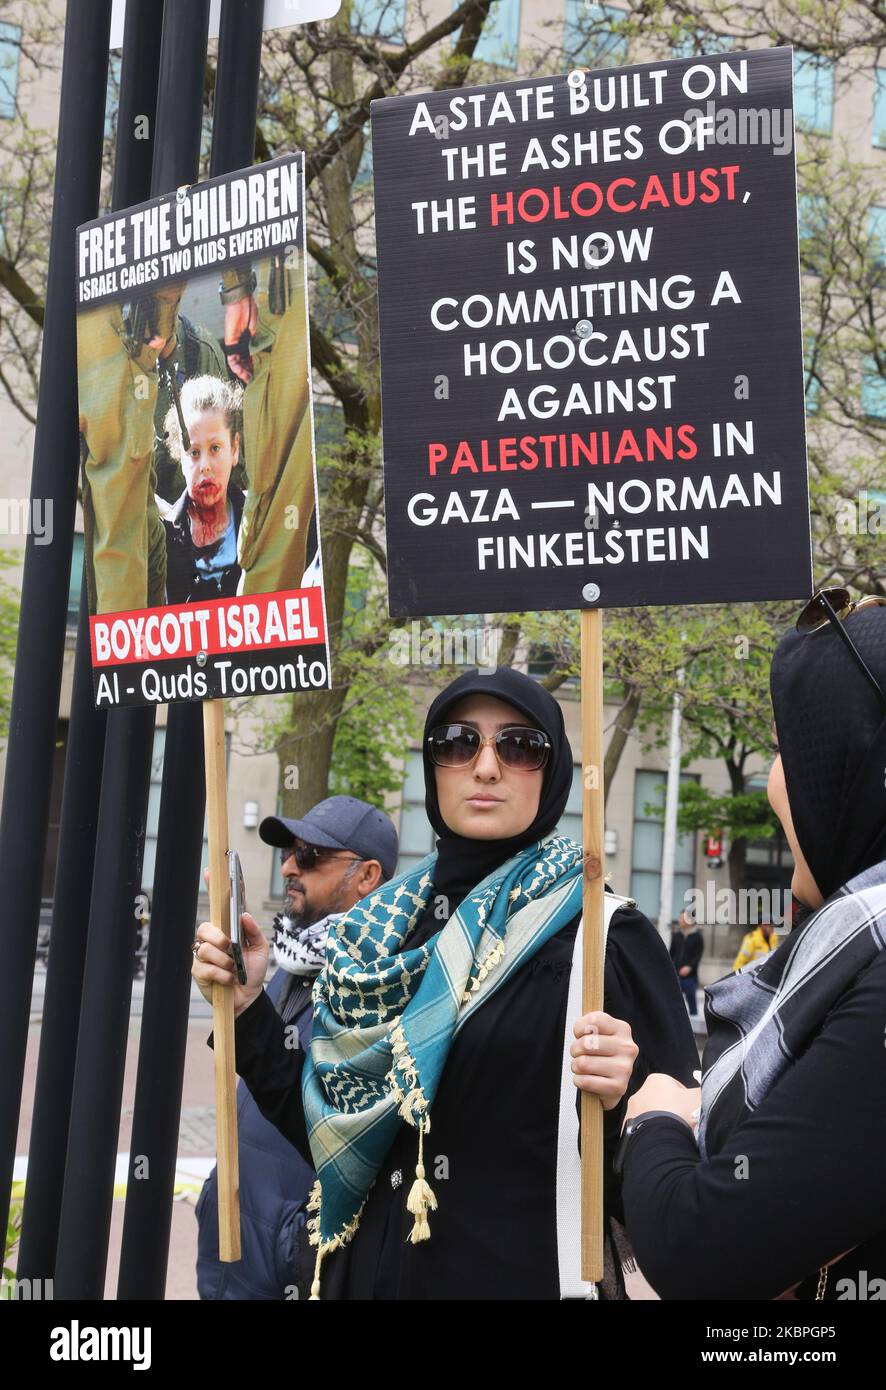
(201, 533)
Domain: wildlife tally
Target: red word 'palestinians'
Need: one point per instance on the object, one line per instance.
(530, 451)
(624, 195)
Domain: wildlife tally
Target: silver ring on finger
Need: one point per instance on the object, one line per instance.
(196, 949)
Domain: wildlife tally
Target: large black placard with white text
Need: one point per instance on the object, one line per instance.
(591, 346)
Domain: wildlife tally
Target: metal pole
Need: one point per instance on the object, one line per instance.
(101, 1051)
(44, 602)
(85, 756)
(164, 1031)
(236, 87)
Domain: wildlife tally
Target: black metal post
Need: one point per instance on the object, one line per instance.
(85, 757)
(101, 1050)
(164, 1030)
(44, 604)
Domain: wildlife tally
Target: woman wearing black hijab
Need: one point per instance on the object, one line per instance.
(784, 1193)
(474, 1062)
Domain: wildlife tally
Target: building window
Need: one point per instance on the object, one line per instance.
(416, 833)
(649, 790)
(813, 92)
(873, 390)
(112, 99)
(363, 176)
(10, 48)
(877, 235)
(76, 580)
(813, 382)
(592, 35)
(570, 821)
(329, 424)
(153, 821)
(500, 39)
(379, 19)
(812, 229)
(879, 135)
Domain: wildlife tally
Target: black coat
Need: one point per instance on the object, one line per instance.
(492, 1148)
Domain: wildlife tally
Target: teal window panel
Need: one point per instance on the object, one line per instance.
(500, 39)
(649, 788)
(10, 52)
(812, 229)
(877, 235)
(813, 92)
(873, 390)
(112, 99)
(75, 580)
(813, 384)
(879, 135)
(379, 19)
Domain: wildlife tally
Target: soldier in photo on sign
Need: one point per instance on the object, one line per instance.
(266, 346)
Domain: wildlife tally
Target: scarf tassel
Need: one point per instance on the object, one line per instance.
(421, 1198)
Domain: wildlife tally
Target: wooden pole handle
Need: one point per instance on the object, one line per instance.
(592, 928)
(222, 997)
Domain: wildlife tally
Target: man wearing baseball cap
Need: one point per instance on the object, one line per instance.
(336, 854)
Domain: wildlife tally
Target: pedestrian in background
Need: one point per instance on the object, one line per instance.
(758, 942)
(687, 949)
(342, 849)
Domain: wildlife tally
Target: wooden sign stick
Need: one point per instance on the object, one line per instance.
(592, 928)
(222, 998)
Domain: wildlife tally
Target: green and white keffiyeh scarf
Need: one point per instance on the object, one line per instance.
(385, 1017)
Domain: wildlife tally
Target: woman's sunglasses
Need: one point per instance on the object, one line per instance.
(457, 745)
(834, 606)
(309, 856)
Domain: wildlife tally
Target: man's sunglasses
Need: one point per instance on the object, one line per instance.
(457, 745)
(834, 606)
(309, 856)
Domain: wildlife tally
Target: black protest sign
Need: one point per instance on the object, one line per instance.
(591, 348)
(201, 536)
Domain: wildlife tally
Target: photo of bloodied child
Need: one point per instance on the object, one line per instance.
(196, 442)
(203, 525)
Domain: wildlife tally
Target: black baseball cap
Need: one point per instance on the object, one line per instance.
(339, 822)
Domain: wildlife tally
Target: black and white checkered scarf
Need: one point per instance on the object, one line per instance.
(301, 950)
(761, 1019)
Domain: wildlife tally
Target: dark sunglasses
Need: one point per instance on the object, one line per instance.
(457, 745)
(309, 856)
(834, 606)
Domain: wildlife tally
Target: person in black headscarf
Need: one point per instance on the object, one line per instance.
(498, 769)
(783, 1195)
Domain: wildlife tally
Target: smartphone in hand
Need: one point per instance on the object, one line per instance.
(237, 907)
